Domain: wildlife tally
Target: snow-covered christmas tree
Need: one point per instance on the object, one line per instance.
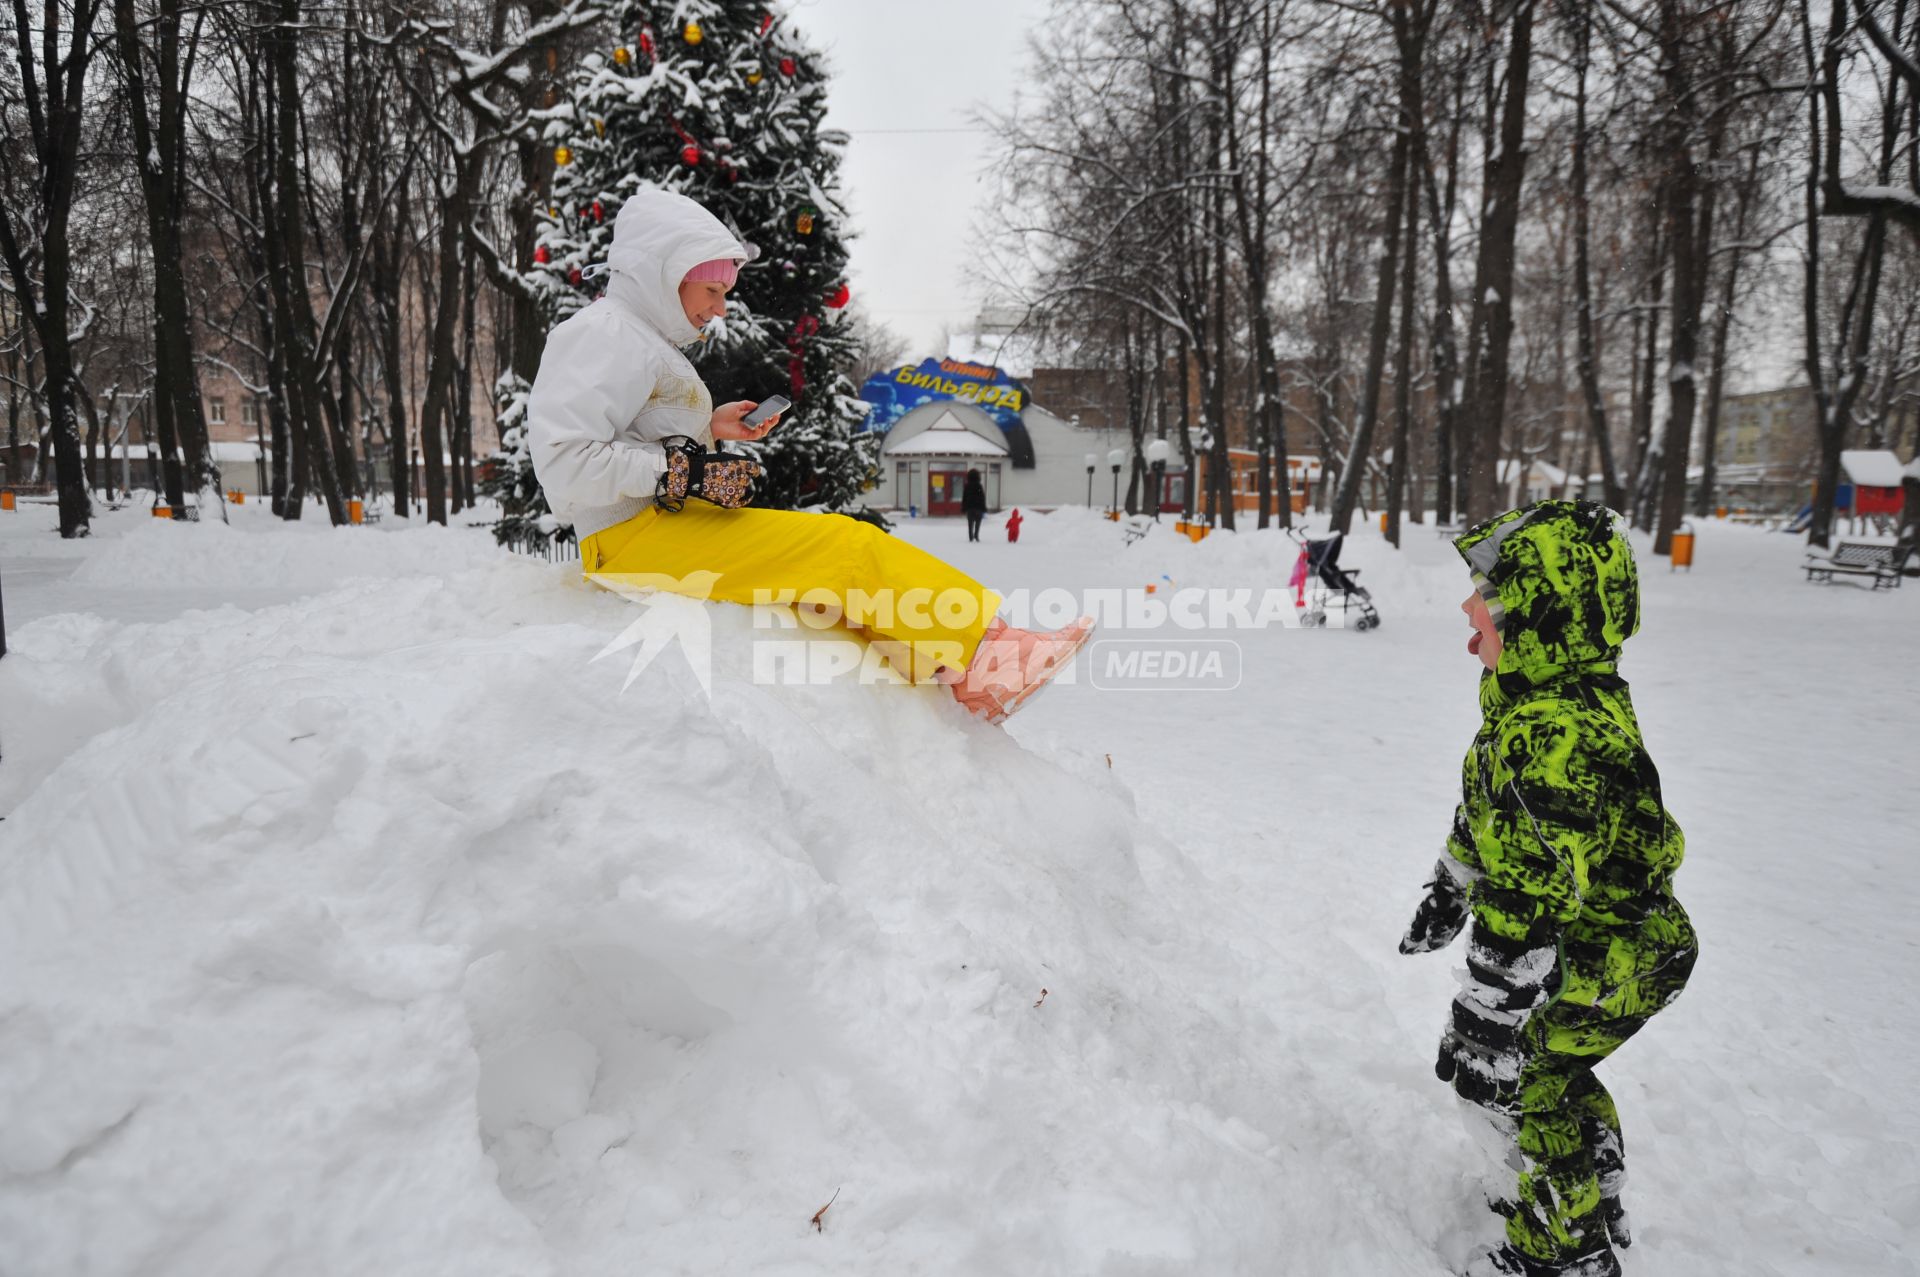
(722, 102)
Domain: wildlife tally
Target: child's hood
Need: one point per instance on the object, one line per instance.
(657, 238)
(1566, 579)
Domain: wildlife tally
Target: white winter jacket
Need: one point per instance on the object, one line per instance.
(612, 380)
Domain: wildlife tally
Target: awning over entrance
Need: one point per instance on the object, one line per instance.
(948, 436)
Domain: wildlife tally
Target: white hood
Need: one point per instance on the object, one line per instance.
(657, 238)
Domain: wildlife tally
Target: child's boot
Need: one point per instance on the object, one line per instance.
(1011, 666)
(1617, 1226)
(1504, 1261)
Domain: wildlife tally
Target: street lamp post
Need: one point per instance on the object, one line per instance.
(1092, 461)
(1214, 479)
(1116, 459)
(1157, 458)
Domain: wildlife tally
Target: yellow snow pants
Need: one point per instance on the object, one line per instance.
(920, 613)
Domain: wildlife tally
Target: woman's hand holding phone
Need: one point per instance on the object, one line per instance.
(736, 420)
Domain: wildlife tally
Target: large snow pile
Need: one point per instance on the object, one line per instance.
(381, 930)
(376, 929)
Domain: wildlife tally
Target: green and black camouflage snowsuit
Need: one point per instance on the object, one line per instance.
(1566, 855)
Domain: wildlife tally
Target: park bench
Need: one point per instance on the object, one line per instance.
(1136, 527)
(1855, 558)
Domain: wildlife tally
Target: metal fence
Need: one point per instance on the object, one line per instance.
(560, 547)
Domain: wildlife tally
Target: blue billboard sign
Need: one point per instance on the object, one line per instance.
(895, 393)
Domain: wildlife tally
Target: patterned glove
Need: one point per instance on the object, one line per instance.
(719, 477)
(1442, 912)
(1483, 1050)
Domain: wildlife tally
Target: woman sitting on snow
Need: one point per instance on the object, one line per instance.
(623, 432)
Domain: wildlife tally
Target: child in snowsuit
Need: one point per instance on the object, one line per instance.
(1561, 857)
(623, 435)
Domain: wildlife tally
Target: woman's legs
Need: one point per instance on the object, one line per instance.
(927, 613)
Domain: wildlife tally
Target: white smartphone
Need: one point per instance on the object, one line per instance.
(772, 406)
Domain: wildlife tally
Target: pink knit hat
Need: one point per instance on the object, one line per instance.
(721, 270)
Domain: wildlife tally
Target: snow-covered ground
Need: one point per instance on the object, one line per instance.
(353, 920)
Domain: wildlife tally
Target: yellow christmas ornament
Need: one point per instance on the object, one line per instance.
(553, 210)
(621, 56)
(599, 128)
(804, 222)
(753, 77)
(563, 155)
(693, 34)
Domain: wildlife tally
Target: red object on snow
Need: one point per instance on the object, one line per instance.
(541, 256)
(840, 297)
(574, 276)
(787, 67)
(766, 20)
(599, 213)
(690, 153)
(646, 43)
(1013, 525)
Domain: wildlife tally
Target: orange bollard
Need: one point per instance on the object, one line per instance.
(1682, 548)
(162, 512)
(355, 511)
(6, 499)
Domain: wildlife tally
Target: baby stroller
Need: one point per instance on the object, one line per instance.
(1320, 583)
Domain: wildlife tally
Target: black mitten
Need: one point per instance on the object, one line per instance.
(1442, 911)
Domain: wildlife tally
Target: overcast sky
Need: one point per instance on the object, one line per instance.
(905, 77)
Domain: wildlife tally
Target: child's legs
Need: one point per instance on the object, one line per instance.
(1568, 1132)
(921, 607)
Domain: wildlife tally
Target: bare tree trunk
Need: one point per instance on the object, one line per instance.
(160, 159)
(286, 242)
(54, 89)
(1644, 470)
(462, 431)
(1446, 351)
(1493, 299)
(442, 355)
(1722, 330)
(1614, 492)
(1403, 372)
(1853, 330)
(1186, 430)
(1410, 42)
(1688, 244)
(1381, 325)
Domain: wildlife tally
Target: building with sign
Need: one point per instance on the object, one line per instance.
(943, 417)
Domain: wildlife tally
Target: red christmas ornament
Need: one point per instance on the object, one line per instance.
(839, 297)
(646, 43)
(599, 214)
(690, 153)
(766, 21)
(787, 67)
(573, 276)
(541, 256)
